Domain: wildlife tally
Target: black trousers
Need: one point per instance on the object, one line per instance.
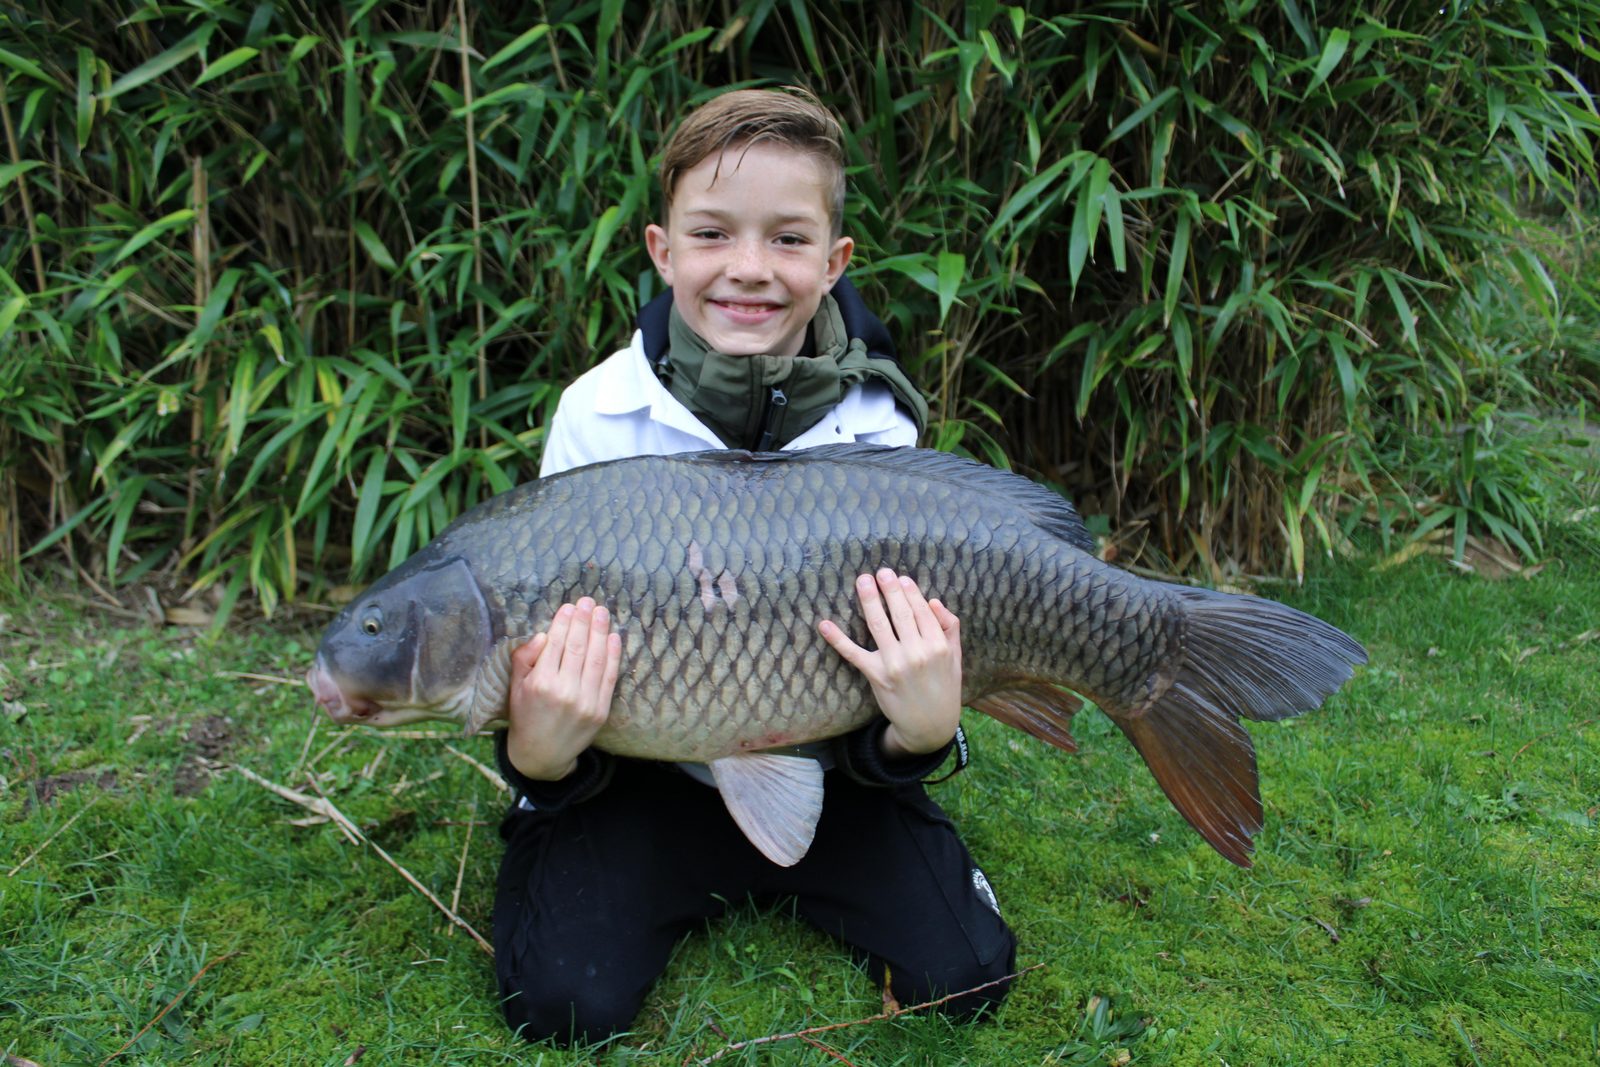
(592, 899)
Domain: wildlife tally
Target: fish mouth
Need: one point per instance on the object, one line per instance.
(340, 707)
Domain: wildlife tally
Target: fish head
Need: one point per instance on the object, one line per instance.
(406, 650)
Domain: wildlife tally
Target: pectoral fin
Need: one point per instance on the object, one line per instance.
(776, 800)
(1036, 708)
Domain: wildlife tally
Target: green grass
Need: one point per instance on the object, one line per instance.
(1425, 890)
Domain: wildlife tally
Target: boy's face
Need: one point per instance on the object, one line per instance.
(750, 256)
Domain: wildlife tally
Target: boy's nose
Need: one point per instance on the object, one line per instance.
(749, 263)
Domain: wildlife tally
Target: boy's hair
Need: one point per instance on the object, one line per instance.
(790, 117)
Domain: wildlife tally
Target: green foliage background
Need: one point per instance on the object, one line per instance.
(289, 285)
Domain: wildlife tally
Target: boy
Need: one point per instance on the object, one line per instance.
(609, 862)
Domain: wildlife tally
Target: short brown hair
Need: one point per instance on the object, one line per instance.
(791, 117)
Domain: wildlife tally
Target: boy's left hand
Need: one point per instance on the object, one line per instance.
(916, 672)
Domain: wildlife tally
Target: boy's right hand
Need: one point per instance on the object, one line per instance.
(561, 687)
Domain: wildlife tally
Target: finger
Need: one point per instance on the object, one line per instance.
(840, 642)
(894, 598)
(927, 623)
(596, 654)
(613, 670)
(951, 625)
(872, 609)
(577, 643)
(556, 641)
(526, 655)
(948, 622)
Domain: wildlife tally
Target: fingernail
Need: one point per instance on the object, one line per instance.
(864, 582)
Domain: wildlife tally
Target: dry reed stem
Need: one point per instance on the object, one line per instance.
(826, 1051)
(494, 779)
(323, 806)
(477, 222)
(170, 1005)
(880, 1017)
(461, 868)
(277, 679)
(22, 187)
(319, 805)
(59, 831)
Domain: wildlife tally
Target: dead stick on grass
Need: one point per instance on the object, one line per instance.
(461, 868)
(170, 1005)
(495, 779)
(1550, 733)
(275, 678)
(59, 831)
(880, 1017)
(323, 806)
(310, 803)
(452, 916)
(825, 1050)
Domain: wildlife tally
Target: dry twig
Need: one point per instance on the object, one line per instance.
(1549, 733)
(809, 1031)
(323, 806)
(461, 868)
(275, 678)
(59, 831)
(495, 779)
(170, 1005)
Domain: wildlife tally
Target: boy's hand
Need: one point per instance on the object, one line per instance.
(916, 671)
(561, 687)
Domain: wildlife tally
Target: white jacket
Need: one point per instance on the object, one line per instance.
(619, 408)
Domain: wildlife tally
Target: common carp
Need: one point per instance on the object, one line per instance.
(717, 567)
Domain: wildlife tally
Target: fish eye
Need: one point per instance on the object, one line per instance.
(372, 625)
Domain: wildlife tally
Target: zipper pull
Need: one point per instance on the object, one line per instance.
(773, 423)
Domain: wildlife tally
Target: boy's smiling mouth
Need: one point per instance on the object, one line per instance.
(750, 311)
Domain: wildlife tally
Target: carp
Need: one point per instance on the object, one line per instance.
(717, 567)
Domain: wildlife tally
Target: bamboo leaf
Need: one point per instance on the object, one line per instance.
(1402, 308)
(1332, 52)
(1177, 260)
(9, 312)
(518, 45)
(27, 66)
(156, 66)
(233, 60)
(604, 229)
(85, 111)
(374, 245)
(951, 269)
(149, 233)
(1133, 121)
(10, 172)
(367, 502)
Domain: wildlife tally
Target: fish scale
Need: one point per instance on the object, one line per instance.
(717, 568)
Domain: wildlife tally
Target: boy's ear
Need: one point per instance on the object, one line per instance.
(838, 259)
(657, 244)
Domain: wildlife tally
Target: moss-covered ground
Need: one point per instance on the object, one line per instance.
(1426, 891)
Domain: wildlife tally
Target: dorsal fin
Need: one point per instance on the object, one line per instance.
(1049, 509)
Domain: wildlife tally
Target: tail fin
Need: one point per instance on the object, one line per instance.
(1242, 656)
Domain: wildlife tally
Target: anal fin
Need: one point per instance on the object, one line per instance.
(776, 800)
(1038, 708)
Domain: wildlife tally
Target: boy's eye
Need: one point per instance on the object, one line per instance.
(791, 239)
(705, 235)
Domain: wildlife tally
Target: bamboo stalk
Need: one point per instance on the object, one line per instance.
(477, 221)
(22, 187)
